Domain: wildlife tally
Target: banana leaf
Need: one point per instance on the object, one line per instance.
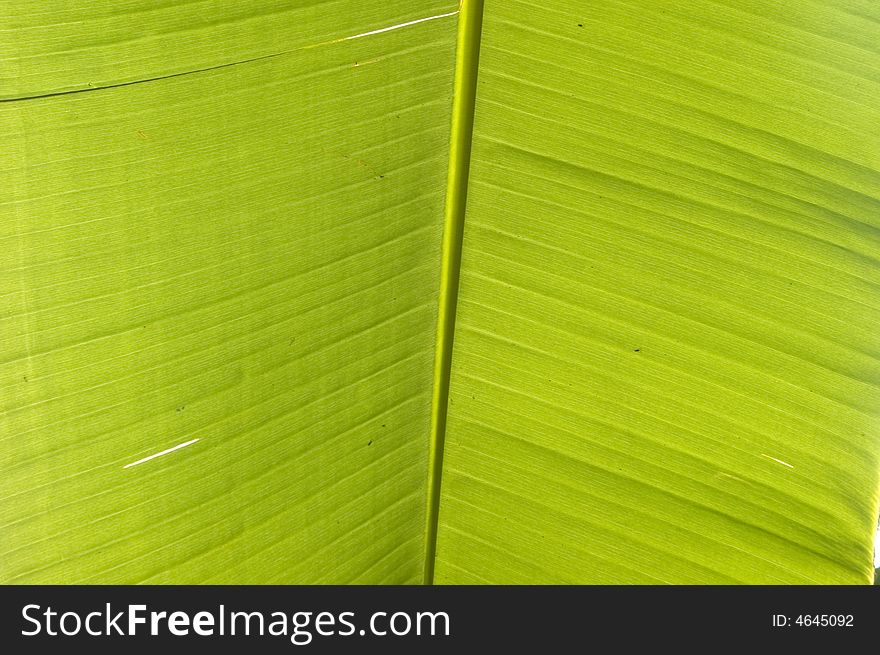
(426, 291)
(665, 365)
(222, 228)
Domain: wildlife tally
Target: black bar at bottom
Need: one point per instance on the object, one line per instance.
(430, 619)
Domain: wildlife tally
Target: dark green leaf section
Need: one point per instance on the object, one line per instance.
(666, 358)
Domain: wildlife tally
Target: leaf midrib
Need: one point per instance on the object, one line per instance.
(464, 97)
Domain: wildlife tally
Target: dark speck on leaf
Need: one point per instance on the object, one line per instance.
(580, 24)
(637, 350)
(383, 425)
(370, 442)
(181, 408)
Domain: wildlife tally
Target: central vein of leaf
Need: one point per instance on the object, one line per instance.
(467, 56)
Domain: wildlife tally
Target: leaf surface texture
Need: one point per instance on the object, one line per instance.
(665, 365)
(221, 238)
(231, 284)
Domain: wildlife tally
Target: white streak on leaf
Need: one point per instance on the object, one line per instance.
(778, 461)
(164, 452)
(399, 26)
(877, 548)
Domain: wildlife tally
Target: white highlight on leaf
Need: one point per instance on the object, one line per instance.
(164, 452)
(877, 548)
(778, 461)
(401, 25)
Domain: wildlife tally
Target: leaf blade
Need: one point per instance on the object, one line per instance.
(241, 259)
(665, 366)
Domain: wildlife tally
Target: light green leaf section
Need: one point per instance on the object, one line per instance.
(218, 289)
(666, 351)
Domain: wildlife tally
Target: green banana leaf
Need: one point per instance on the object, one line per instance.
(228, 245)
(418, 291)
